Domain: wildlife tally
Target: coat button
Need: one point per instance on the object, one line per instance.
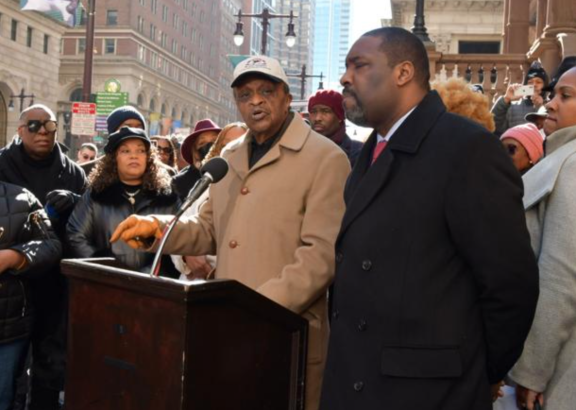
(335, 314)
(367, 265)
(358, 386)
(339, 257)
(244, 191)
(362, 325)
(233, 244)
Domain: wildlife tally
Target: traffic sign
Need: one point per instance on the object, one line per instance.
(83, 119)
(108, 102)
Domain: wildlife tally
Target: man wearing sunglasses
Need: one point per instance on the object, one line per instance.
(34, 160)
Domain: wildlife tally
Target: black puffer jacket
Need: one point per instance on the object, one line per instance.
(24, 227)
(97, 215)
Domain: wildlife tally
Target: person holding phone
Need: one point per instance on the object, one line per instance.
(520, 99)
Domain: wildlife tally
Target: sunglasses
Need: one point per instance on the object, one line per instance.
(163, 150)
(34, 126)
(511, 149)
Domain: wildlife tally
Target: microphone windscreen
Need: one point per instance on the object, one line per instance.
(217, 167)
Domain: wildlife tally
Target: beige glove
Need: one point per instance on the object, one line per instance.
(136, 229)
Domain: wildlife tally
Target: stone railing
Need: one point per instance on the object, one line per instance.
(493, 71)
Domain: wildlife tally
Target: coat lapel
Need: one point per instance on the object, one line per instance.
(238, 157)
(367, 180)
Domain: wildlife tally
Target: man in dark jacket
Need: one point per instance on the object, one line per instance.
(327, 118)
(35, 161)
(28, 250)
(436, 283)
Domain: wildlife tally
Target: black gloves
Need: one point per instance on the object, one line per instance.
(61, 200)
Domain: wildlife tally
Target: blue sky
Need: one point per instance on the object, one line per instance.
(366, 15)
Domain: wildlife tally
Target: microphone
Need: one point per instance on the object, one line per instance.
(212, 172)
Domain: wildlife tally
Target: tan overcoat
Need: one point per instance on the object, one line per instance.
(273, 228)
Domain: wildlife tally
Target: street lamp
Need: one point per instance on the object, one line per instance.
(21, 96)
(419, 28)
(303, 76)
(265, 16)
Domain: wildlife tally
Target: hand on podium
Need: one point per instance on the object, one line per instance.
(137, 231)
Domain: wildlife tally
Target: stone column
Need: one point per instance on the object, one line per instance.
(505, 31)
(541, 11)
(517, 26)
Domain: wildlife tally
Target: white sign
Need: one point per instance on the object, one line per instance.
(83, 119)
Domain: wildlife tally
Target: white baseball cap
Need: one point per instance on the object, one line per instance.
(266, 66)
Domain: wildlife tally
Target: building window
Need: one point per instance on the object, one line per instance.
(140, 24)
(185, 29)
(29, 37)
(478, 47)
(141, 52)
(109, 46)
(76, 95)
(142, 2)
(175, 21)
(112, 17)
(46, 43)
(152, 32)
(152, 106)
(154, 6)
(140, 100)
(14, 30)
(164, 40)
(174, 46)
(81, 45)
(165, 14)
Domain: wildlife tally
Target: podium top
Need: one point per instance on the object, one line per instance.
(106, 272)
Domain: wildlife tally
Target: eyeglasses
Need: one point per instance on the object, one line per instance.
(511, 149)
(35, 125)
(164, 150)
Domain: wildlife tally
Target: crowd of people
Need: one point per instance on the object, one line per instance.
(433, 262)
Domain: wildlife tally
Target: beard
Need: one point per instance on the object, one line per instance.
(356, 112)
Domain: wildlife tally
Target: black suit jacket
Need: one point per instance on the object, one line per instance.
(436, 283)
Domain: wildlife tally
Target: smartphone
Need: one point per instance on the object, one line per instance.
(524, 91)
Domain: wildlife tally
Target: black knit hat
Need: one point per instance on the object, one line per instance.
(566, 64)
(121, 114)
(125, 133)
(536, 70)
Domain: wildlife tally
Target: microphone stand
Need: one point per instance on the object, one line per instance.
(196, 191)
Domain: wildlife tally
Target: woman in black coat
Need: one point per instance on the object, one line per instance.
(28, 249)
(128, 180)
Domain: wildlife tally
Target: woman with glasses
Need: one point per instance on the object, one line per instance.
(127, 180)
(546, 371)
(525, 145)
(165, 149)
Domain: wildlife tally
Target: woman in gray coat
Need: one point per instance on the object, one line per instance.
(546, 371)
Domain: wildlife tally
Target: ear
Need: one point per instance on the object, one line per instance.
(404, 73)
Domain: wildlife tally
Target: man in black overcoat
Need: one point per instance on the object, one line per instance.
(436, 283)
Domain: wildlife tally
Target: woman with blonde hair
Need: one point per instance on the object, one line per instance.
(198, 267)
(459, 98)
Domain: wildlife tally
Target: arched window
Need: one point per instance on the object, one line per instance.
(174, 113)
(76, 95)
(152, 106)
(140, 100)
(163, 110)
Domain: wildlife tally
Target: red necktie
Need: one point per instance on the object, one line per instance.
(378, 150)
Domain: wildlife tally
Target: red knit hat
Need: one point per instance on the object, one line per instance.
(530, 138)
(330, 98)
(200, 127)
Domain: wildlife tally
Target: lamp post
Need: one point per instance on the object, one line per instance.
(303, 76)
(266, 15)
(68, 135)
(419, 28)
(21, 96)
(88, 53)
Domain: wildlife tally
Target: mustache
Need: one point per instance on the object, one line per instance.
(348, 92)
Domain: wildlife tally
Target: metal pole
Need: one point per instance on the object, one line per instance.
(419, 28)
(88, 52)
(265, 16)
(303, 83)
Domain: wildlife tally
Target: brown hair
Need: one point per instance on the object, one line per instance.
(460, 99)
(172, 158)
(105, 174)
(218, 145)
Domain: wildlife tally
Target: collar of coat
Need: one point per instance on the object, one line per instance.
(114, 196)
(541, 179)
(237, 152)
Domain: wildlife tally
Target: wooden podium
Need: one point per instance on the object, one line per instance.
(138, 343)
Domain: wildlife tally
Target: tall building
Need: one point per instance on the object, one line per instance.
(456, 27)
(332, 40)
(293, 58)
(167, 54)
(30, 50)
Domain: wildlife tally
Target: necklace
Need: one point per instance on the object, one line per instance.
(130, 196)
